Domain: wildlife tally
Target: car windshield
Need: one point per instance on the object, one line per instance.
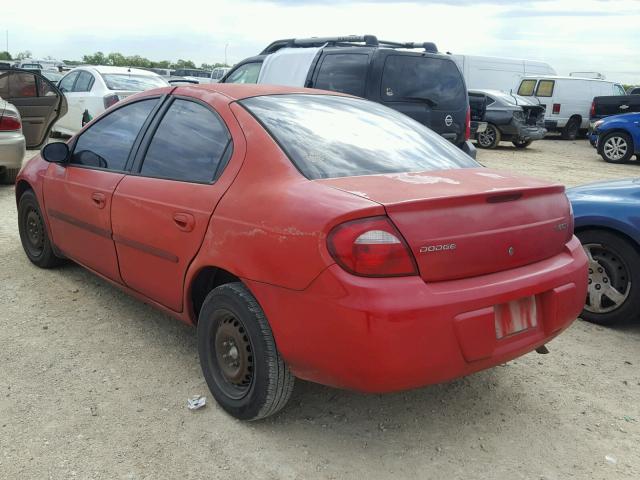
(51, 75)
(125, 81)
(329, 136)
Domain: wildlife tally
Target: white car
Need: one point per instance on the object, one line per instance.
(90, 90)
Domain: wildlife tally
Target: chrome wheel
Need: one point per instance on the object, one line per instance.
(487, 138)
(609, 279)
(615, 148)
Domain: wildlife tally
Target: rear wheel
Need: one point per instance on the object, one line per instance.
(614, 278)
(33, 232)
(571, 129)
(490, 138)
(238, 355)
(522, 143)
(10, 175)
(617, 147)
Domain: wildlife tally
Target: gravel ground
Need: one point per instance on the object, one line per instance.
(94, 384)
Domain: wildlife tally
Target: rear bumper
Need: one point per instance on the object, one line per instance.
(531, 132)
(12, 150)
(380, 335)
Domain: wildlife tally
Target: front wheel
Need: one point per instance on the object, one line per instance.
(490, 138)
(617, 147)
(522, 143)
(238, 355)
(614, 278)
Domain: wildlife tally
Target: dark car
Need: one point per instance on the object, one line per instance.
(509, 118)
(606, 106)
(412, 78)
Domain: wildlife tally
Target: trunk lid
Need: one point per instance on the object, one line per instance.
(468, 222)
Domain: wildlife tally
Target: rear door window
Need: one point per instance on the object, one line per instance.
(204, 144)
(66, 84)
(84, 82)
(247, 73)
(527, 87)
(343, 72)
(545, 88)
(107, 143)
(437, 81)
(17, 85)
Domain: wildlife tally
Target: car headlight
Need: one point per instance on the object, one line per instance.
(597, 124)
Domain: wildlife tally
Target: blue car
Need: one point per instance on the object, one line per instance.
(607, 222)
(617, 138)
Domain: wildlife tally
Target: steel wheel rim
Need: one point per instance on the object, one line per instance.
(615, 148)
(487, 137)
(609, 279)
(233, 356)
(34, 232)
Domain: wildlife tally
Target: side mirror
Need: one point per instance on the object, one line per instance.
(57, 152)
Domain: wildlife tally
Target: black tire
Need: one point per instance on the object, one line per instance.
(10, 175)
(614, 262)
(610, 147)
(490, 138)
(521, 143)
(238, 355)
(571, 129)
(33, 233)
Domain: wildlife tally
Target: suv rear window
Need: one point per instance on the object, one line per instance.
(527, 87)
(328, 136)
(343, 72)
(436, 80)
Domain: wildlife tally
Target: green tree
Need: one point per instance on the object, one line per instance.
(183, 64)
(97, 58)
(5, 56)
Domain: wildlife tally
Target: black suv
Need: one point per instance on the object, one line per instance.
(425, 85)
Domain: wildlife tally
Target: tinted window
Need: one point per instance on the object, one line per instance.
(66, 84)
(247, 73)
(527, 87)
(437, 80)
(188, 145)
(328, 136)
(17, 85)
(107, 143)
(84, 82)
(545, 88)
(344, 72)
(45, 89)
(137, 83)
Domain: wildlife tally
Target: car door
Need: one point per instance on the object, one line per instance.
(66, 87)
(39, 102)
(78, 194)
(82, 92)
(161, 211)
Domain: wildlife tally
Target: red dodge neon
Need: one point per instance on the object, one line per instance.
(307, 234)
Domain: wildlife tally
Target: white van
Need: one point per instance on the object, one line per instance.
(567, 100)
(495, 73)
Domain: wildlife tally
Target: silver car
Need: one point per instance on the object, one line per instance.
(29, 106)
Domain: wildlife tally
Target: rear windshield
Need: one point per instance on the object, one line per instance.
(437, 81)
(328, 136)
(123, 81)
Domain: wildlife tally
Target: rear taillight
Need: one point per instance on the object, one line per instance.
(371, 247)
(9, 123)
(467, 128)
(110, 100)
(556, 108)
(592, 112)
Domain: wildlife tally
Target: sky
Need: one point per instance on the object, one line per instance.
(570, 35)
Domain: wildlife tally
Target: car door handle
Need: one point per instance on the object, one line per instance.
(184, 221)
(99, 200)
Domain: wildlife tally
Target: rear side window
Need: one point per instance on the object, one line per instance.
(66, 84)
(247, 73)
(328, 136)
(343, 72)
(17, 85)
(545, 88)
(107, 143)
(84, 82)
(189, 145)
(435, 80)
(527, 87)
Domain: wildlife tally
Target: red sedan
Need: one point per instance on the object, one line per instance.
(307, 234)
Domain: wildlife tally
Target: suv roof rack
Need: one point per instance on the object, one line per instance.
(347, 41)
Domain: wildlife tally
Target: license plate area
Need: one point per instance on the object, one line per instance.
(515, 317)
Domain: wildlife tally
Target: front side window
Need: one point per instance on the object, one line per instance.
(619, 90)
(247, 73)
(328, 136)
(436, 81)
(84, 82)
(66, 84)
(545, 88)
(17, 85)
(189, 145)
(136, 83)
(527, 87)
(344, 72)
(107, 143)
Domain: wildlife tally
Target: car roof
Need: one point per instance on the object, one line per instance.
(240, 91)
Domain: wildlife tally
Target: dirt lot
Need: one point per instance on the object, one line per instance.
(94, 384)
